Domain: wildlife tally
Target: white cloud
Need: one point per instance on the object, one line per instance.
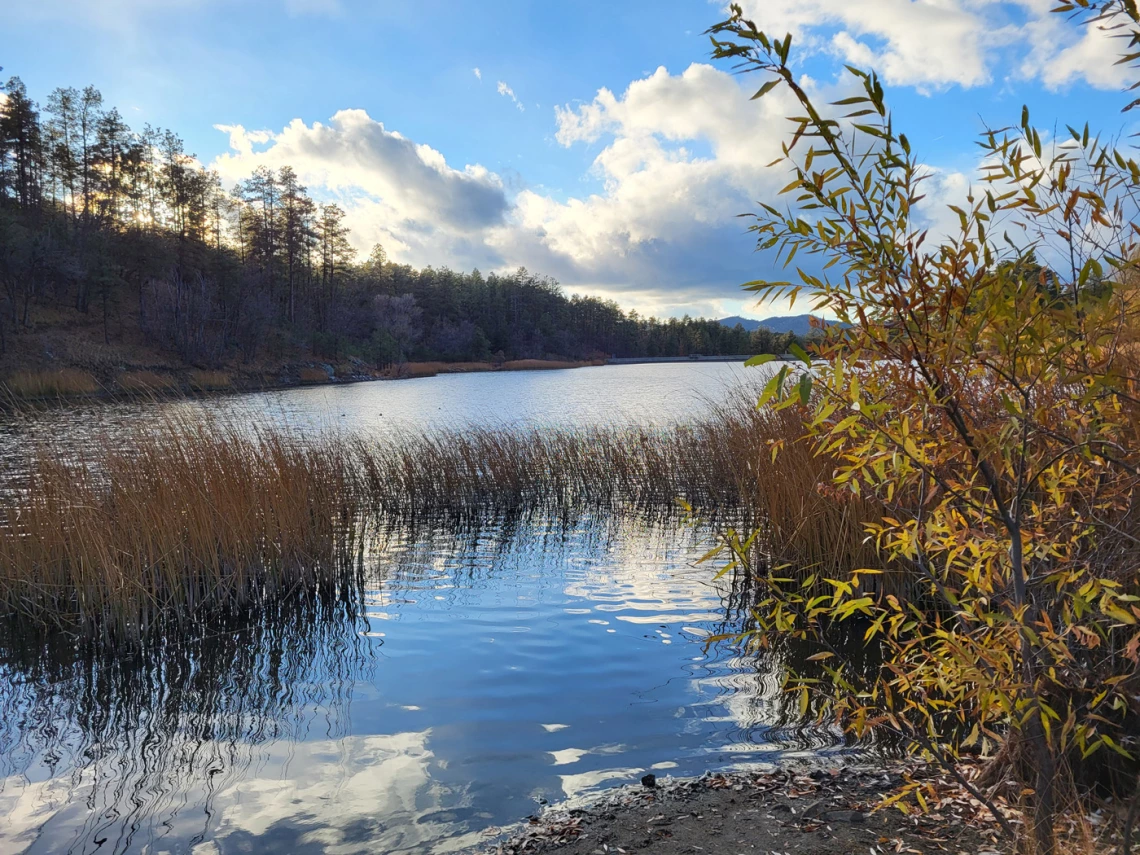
(1063, 54)
(676, 158)
(683, 156)
(357, 155)
(396, 192)
(927, 43)
(508, 92)
(932, 44)
(477, 73)
(679, 158)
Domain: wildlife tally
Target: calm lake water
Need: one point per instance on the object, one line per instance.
(607, 395)
(489, 669)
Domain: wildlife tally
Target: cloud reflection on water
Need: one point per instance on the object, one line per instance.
(411, 727)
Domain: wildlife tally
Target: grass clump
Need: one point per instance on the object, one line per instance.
(313, 375)
(541, 364)
(145, 382)
(210, 381)
(174, 520)
(60, 383)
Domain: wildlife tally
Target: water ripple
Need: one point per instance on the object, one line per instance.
(483, 669)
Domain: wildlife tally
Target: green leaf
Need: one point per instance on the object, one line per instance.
(766, 88)
(799, 353)
(805, 388)
(762, 359)
(771, 388)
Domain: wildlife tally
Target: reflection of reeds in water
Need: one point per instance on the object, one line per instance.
(191, 515)
(145, 736)
(755, 687)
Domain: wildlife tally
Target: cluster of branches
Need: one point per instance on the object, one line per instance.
(96, 216)
(986, 396)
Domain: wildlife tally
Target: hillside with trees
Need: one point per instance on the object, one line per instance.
(119, 249)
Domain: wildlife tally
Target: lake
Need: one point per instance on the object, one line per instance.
(490, 668)
(581, 397)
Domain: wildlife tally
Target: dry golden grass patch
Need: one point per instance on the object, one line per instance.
(210, 381)
(464, 367)
(313, 375)
(142, 382)
(409, 370)
(540, 364)
(172, 520)
(431, 369)
(60, 383)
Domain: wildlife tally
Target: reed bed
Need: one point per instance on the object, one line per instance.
(313, 375)
(210, 381)
(61, 383)
(145, 382)
(172, 521)
(544, 364)
(204, 514)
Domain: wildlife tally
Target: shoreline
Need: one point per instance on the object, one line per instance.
(792, 811)
(70, 384)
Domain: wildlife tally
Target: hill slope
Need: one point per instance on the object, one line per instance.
(798, 324)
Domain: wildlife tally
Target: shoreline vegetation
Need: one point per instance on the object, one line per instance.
(122, 254)
(70, 384)
(178, 520)
(61, 385)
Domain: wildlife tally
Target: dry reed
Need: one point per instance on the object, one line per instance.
(175, 519)
(61, 383)
(201, 514)
(431, 369)
(210, 381)
(313, 375)
(145, 382)
(541, 364)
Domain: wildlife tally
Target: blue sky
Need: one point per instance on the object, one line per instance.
(596, 143)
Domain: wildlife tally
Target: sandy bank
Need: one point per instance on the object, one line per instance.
(822, 812)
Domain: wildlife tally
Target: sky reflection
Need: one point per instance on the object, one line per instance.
(487, 671)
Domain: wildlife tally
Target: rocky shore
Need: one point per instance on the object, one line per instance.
(790, 812)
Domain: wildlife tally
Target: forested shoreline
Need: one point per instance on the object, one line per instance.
(118, 248)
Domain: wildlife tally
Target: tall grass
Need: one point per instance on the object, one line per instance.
(61, 383)
(175, 520)
(313, 375)
(204, 514)
(210, 381)
(145, 382)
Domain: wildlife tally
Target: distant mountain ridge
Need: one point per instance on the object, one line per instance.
(798, 324)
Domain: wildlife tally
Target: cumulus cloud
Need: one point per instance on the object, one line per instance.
(910, 42)
(396, 192)
(356, 154)
(507, 92)
(1062, 54)
(678, 158)
(682, 155)
(932, 44)
(478, 74)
